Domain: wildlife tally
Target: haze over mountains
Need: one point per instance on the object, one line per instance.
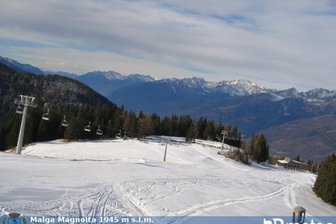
(242, 103)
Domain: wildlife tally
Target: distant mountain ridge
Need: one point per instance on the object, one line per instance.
(105, 81)
(242, 103)
(20, 67)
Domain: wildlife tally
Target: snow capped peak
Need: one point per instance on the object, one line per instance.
(239, 87)
(193, 82)
(241, 82)
(320, 93)
(110, 75)
(142, 78)
(290, 93)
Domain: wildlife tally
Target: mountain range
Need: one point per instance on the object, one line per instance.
(242, 103)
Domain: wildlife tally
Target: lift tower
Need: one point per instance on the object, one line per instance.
(25, 101)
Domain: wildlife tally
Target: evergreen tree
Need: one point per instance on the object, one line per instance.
(260, 149)
(251, 145)
(145, 126)
(200, 127)
(43, 131)
(166, 127)
(12, 136)
(191, 133)
(209, 131)
(325, 184)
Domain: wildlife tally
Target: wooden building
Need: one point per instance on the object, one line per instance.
(293, 164)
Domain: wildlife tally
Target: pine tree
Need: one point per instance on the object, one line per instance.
(191, 133)
(325, 184)
(12, 136)
(260, 149)
(201, 125)
(145, 126)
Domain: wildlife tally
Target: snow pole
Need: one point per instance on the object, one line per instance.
(165, 152)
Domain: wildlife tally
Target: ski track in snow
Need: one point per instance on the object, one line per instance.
(175, 194)
(198, 209)
(126, 199)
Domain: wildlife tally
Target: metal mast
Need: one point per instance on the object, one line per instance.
(165, 152)
(225, 135)
(26, 101)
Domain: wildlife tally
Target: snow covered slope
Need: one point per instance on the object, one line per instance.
(114, 177)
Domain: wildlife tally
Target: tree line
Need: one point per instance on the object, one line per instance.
(112, 121)
(256, 148)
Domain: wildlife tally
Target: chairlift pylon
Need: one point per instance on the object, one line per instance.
(65, 123)
(87, 128)
(99, 131)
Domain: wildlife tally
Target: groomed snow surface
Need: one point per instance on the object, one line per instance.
(124, 178)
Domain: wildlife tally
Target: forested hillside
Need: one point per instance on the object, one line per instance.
(53, 90)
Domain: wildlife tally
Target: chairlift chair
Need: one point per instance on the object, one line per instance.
(87, 128)
(119, 134)
(65, 123)
(99, 131)
(45, 116)
(19, 109)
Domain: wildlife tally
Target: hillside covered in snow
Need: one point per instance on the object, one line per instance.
(125, 178)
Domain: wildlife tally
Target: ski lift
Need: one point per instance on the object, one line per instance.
(19, 109)
(119, 134)
(65, 123)
(87, 128)
(45, 115)
(99, 131)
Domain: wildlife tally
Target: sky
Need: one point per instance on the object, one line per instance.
(278, 44)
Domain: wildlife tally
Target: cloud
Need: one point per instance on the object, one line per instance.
(277, 43)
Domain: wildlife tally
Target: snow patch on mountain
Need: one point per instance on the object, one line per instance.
(320, 93)
(142, 78)
(112, 75)
(239, 87)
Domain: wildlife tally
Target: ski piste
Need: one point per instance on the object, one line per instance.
(118, 178)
